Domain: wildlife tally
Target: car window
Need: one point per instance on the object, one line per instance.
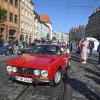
(63, 49)
(46, 49)
(37, 49)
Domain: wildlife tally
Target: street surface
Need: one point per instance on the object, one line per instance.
(84, 79)
(82, 83)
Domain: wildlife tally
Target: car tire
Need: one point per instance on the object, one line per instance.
(57, 78)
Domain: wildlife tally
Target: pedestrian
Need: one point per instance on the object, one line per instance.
(91, 46)
(98, 50)
(15, 50)
(84, 50)
(11, 49)
(71, 46)
(1, 47)
(79, 47)
(5, 47)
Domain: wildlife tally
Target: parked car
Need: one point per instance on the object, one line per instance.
(47, 63)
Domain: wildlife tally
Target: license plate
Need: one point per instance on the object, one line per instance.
(23, 79)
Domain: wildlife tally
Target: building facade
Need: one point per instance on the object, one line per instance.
(41, 29)
(10, 27)
(47, 21)
(93, 26)
(57, 36)
(65, 38)
(45, 30)
(37, 27)
(77, 33)
(61, 37)
(26, 21)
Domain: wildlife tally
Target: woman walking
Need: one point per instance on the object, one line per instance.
(84, 51)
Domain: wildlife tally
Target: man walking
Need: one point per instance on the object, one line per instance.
(98, 50)
(91, 46)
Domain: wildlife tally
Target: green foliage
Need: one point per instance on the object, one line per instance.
(2, 15)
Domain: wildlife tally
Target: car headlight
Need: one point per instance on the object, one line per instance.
(37, 72)
(9, 68)
(44, 73)
(14, 69)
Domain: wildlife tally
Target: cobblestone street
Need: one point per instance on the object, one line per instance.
(84, 80)
(82, 83)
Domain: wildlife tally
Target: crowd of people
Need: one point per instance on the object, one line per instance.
(84, 48)
(14, 47)
(9, 48)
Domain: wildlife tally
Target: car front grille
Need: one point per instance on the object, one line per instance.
(28, 71)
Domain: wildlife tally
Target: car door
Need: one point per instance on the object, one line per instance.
(64, 57)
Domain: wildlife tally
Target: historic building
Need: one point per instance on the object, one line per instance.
(45, 30)
(10, 27)
(26, 21)
(61, 37)
(93, 26)
(77, 33)
(41, 29)
(46, 19)
(37, 27)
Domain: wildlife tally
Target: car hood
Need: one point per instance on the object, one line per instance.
(32, 61)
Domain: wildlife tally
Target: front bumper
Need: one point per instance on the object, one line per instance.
(34, 80)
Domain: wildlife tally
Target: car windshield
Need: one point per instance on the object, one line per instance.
(46, 49)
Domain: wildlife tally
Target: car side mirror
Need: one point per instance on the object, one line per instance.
(20, 53)
(58, 53)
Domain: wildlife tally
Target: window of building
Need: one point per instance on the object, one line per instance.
(23, 0)
(11, 1)
(26, 2)
(11, 17)
(16, 3)
(26, 13)
(15, 20)
(5, 15)
(22, 12)
(6, 0)
(22, 25)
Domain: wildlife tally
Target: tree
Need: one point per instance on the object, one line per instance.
(2, 20)
(2, 15)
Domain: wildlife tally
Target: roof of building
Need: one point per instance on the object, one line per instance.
(45, 18)
(95, 12)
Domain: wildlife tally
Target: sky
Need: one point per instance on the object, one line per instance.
(65, 14)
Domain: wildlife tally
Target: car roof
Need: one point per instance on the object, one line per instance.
(58, 45)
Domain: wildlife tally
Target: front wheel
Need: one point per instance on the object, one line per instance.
(57, 78)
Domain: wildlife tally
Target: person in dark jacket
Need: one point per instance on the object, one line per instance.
(1, 47)
(98, 50)
(91, 46)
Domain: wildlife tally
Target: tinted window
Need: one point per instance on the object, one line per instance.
(46, 49)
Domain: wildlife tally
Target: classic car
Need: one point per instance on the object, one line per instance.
(45, 63)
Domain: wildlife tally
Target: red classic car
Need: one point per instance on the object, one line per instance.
(46, 63)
